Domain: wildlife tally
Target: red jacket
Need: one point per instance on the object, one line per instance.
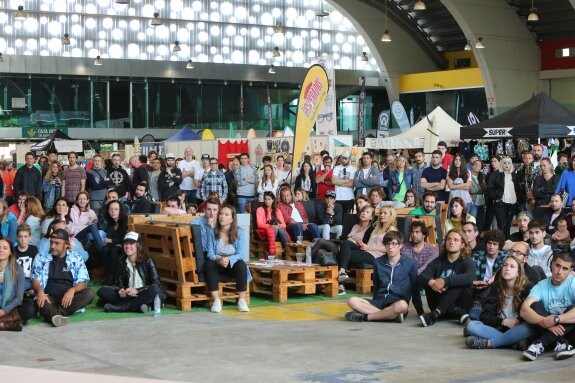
(286, 211)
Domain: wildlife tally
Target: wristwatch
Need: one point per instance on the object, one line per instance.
(556, 319)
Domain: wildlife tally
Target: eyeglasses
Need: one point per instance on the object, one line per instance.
(327, 117)
(516, 252)
(391, 244)
(213, 163)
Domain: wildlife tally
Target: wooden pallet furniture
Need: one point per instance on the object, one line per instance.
(163, 218)
(280, 278)
(291, 248)
(361, 280)
(171, 247)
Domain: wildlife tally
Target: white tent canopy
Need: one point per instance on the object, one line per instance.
(437, 126)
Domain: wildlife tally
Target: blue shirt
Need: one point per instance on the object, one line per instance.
(206, 229)
(436, 175)
(44, 248)
(555, 299)
(74, 263)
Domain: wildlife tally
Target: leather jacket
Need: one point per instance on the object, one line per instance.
(147, 270)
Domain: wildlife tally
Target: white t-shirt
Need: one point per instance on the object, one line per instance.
(200, 173)
(344, 193)
(188, 182)
(541, 258)
(282, 175)
(295, 215)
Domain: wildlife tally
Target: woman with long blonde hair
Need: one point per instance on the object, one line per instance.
(268, 182)
(500, 324)
(51, 185)
(35, 213)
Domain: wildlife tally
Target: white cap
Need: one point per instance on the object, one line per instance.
(170, 155)
(132, 236)
(346, 154)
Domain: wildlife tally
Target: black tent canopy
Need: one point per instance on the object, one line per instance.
(538, 117)
(58, 135)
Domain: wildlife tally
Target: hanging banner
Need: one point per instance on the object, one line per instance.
(398, 112)
(270, 124)
(312, 96)
(361, 116)
(326, 123)
(383, 124)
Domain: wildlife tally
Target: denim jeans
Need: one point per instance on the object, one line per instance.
(242, 202)
(326, 230)
(91, 233)
(497, 338)
(296, 229)
(282, 236)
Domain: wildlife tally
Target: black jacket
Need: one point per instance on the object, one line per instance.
(323, 218)
(121, 180)
(146, 269)
(460, 273)
(164, 183)
(490, 315)
(313, 184)
(496, 186)
(28, 180)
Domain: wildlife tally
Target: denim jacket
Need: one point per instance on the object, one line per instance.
(74, 263)
(393, 185)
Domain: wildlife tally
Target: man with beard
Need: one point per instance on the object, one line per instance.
(170, 178)
(343, 176)
(417, 171)
(98, 183)
(141, 203)
(119, 176)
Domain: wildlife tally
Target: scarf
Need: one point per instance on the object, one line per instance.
(8, 286)
(456, 222)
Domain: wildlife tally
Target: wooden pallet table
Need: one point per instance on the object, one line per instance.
(277, 278)
(361, 280)
(291, 248)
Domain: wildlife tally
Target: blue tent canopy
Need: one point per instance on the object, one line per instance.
(185, 134)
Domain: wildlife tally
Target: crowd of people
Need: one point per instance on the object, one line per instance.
(506, 289)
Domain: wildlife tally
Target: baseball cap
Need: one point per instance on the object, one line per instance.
(330, 193)
(131, 236)
(170, 155)
(60, 234)
(205, 156)
(345, 154)
(525, 214)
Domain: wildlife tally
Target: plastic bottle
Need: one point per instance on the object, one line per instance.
(308, 255)
(157, 306)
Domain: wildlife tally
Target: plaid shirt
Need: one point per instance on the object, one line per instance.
(214, 182)
(480, 259)
(423, 257)
(74, 263)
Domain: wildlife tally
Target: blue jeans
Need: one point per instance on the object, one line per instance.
(191, 196)
(281, 236)
(497, 338)
(91, 233)
(296, 229)
(242, 202)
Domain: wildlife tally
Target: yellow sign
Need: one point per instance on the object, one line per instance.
(311, 98)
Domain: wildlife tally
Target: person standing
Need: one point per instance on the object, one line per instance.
(446, 157)
(246, 176)
(416, 172)
(98, 183)
(6, 182)
(366, 177)
(343, 176)
(28, 178)
(139, 171)
(189, 166)
(73, 179)
(214, 181)
(170, 178)
(119, 176)
(323, 178)
(153, 179)
(433, 178)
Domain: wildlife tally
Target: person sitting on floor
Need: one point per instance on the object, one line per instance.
(549, 307)
(499, 323)
(418, 248)
(137, 280)
(394, 285)
(540, 254)
(447, 281)
(60, 280)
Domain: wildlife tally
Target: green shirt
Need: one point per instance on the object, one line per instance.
(400, 195)
(421, 211)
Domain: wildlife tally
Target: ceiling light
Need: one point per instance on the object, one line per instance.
(66, 39)
(98, 61)
(177, 47)
(190, 64)
(122, 1)
(1, 58)
(386, 37)
(278, 28)
(467, 46)
(364, 56)
(20, 13)
(419, 6)
(276, 52)
(479, 43)
(322, 12)
(533, 16)
(156, 20)
(272, 69)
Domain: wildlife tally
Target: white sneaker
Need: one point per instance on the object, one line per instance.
(216, 306)
(243, 306)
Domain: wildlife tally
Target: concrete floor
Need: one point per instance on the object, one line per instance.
(288, 343)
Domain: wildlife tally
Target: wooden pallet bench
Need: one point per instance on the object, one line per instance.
(278, 278)
(361, 280)
(172, 249)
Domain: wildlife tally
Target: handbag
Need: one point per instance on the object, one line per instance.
(327, 259)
